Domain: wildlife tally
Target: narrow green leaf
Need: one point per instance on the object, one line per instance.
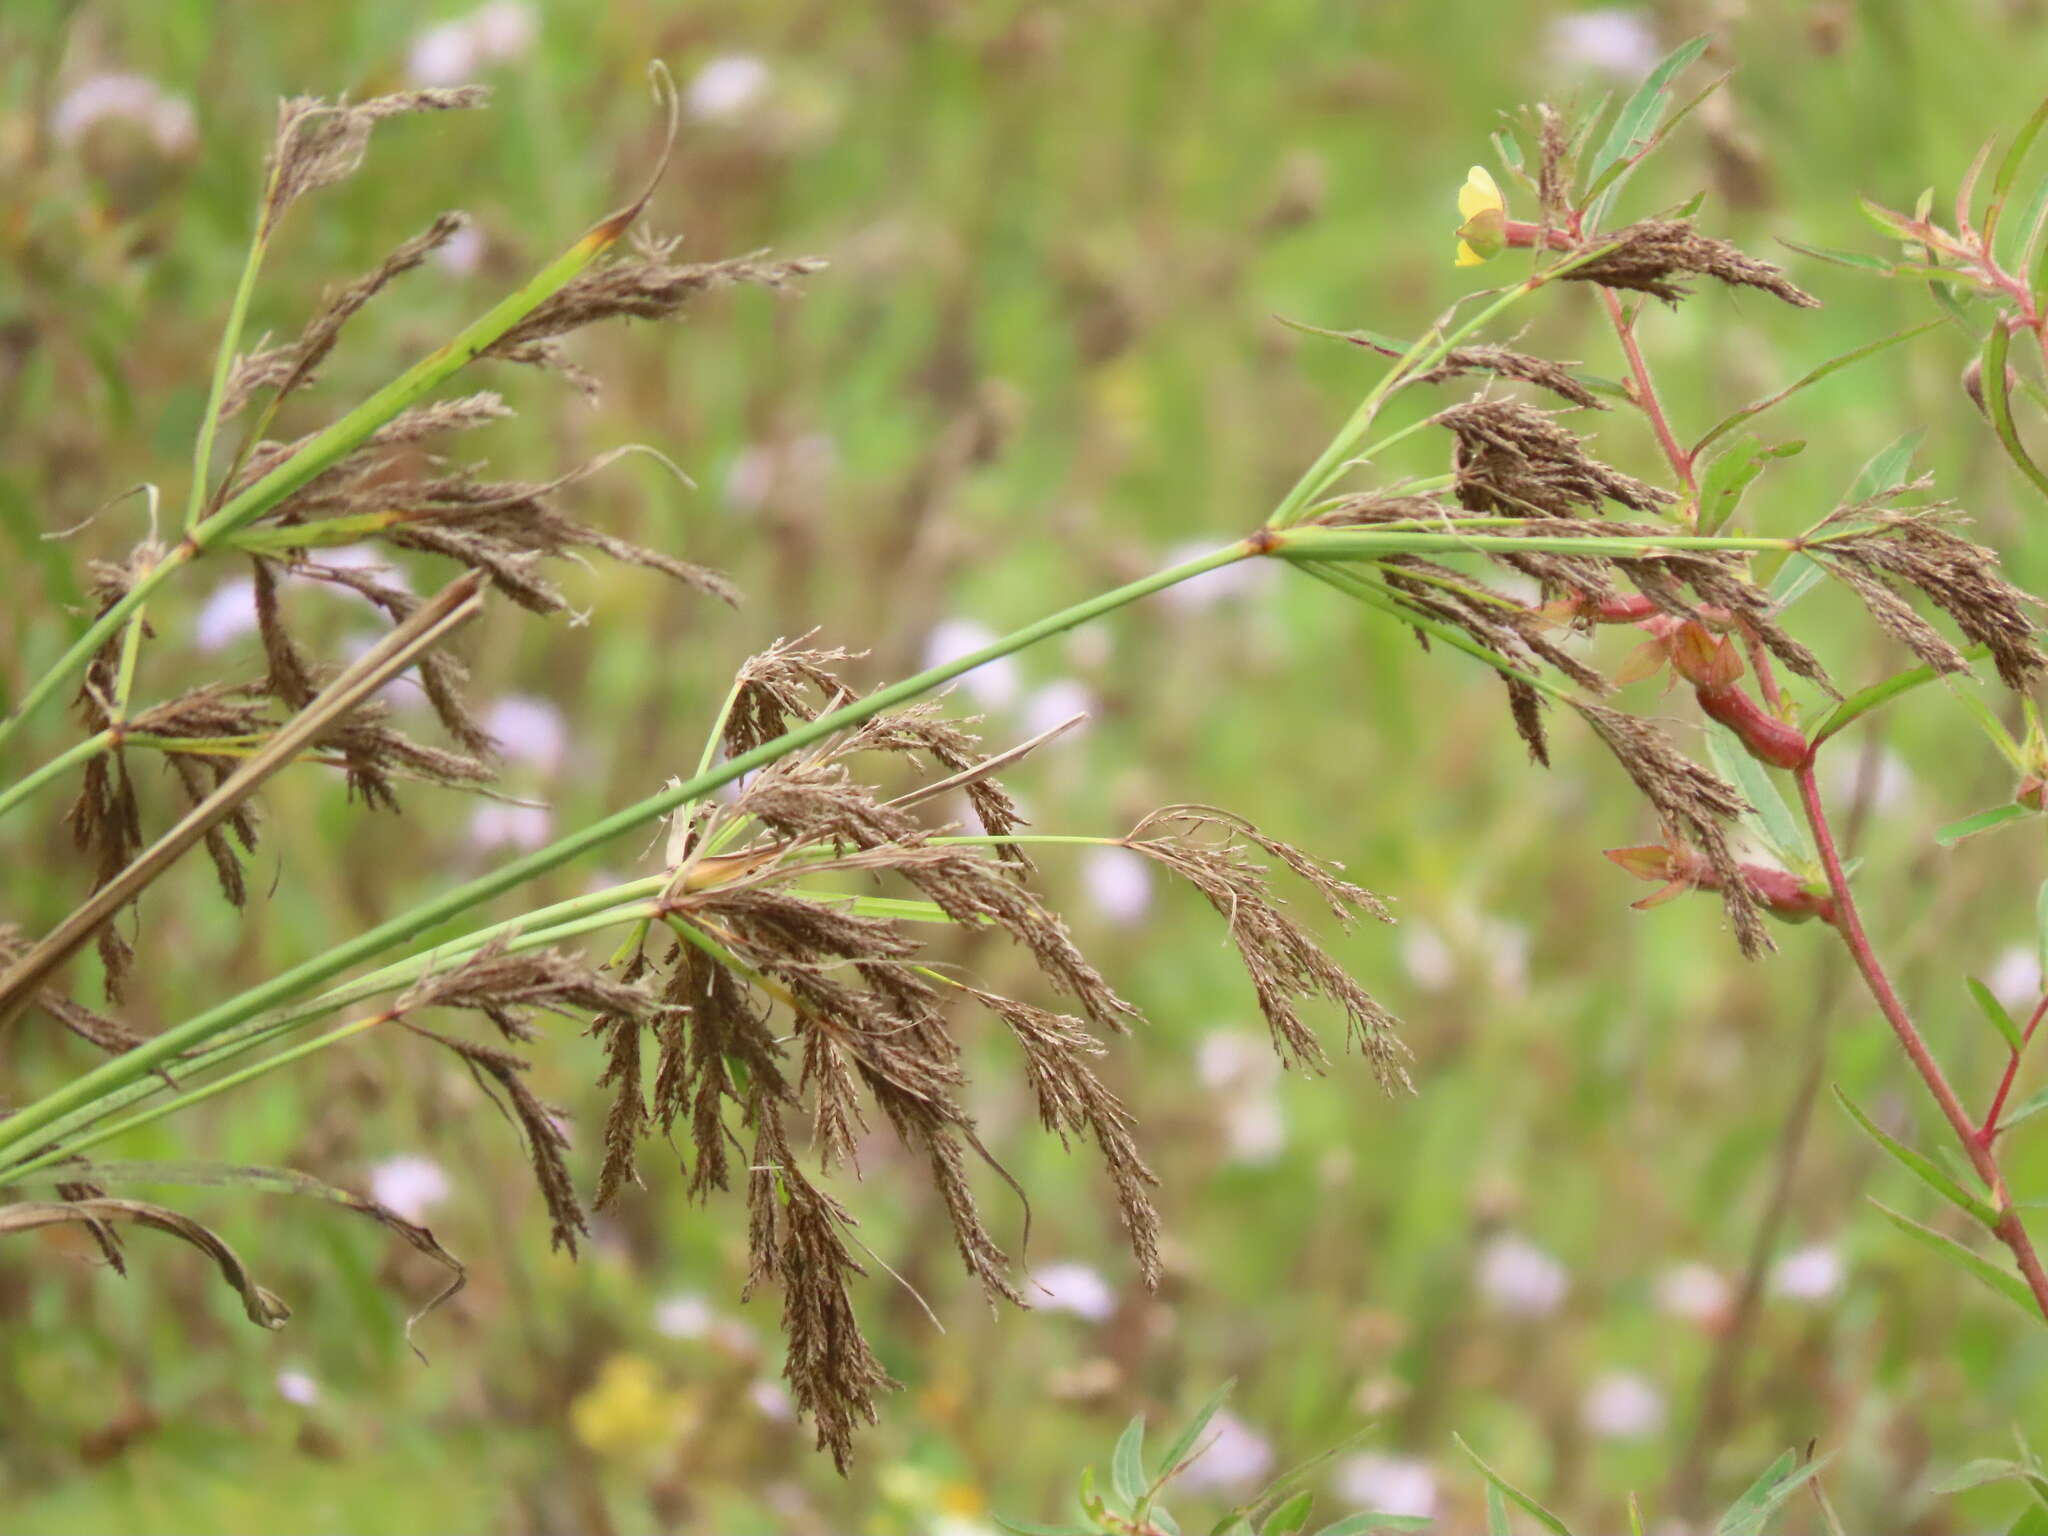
(1877, 695)
(1860, 260)
(1975, 1474)
(2008, 1285)
(2009, 168)
(1291, 1515)
(1031, 1528)
(1796, 577)
(2026, 1109)
(2014, 250)
(1177, 1453)
(1162, 1521)
(1127, 1462)
(1232, 1524)
(1890, 220)
(1616, 172)
(1887, 467)
(2033, 1523)
(1726, 478)
(1998, 405)
(1833, 365)
(1364, 1524)
(1752, 1512)
(2001, 1021)
(1921, 1166)
(1509, 148)
(1775, 823)
(1497, 1513)
(1640, 113)
(1635, 1517)
(1983, 821)
(1543, 1516)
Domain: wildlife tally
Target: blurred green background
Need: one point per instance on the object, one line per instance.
(1044, 358)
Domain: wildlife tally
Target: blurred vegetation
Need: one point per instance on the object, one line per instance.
(1045, 354)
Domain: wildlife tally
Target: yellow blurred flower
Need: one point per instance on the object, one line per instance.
(1483, 235)
(627, 1411)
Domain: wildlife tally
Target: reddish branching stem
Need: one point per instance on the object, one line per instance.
(1644, 390)
(1988, 1131)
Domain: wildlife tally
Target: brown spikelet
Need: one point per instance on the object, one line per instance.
(1692, 802)
(318, 143)
(1504, 362)
(1655, 254)
(787, 682)
(1918, 548)
(627, 1119)
(1285, 964)
(1513, 459)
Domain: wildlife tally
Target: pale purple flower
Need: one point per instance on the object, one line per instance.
(1386, 1485)
(462, 253)
(297, 1387)
(1229, 1455)
(1211, 589)
(1610, 41)
(503, 30)
(228, 613)
(770, 1401)
(1426, 956)
(1621, 1405)
(136, 99)
(529, 730)
(993, 684)
(1812, 1273)
(1118, 884)
(2015, 977)
(443, 55)
(496, 825)
(1697, 1292)
(1056, 703)
(412, 1186)
(1521, 1279)
(1233, 1059)
(1254, 1129)
(726, 87)
(684, 1315)
(1073, 1287)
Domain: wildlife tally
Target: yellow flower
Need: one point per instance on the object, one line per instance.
(628, 1412)
(1484, 233)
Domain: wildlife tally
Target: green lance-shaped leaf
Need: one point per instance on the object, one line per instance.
(1366, 1522)
(1290, 1516)
(1994, 1011)
(2009, 168)
(1639, 115)
(1127, 1463)
(1509, 1491)
(1177, 1454)
(1751, 1512)
(1998, 405)
(2007, 1284)
(1876, 695)
(1773, 821)
(1832, 366)
(1922, 1167)
(1982, 821)
(1731, 473)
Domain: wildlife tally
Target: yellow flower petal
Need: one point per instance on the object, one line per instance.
(1479, 195)
(1467, 257)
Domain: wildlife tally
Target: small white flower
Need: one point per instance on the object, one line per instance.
(136, 99)
(1426, 957)
(443, 55)
(1699, 1293)
(1056, 703)
(503, 30)
(411, 1186)
(2015, 977)
(529, 730)
(462, 252)
(1212, 589)
(993, 684)
(1075, 1288)
(1386, 1485)
(298, 1387)
(726, 87)
(770, 1401)
(685, 1315)
(1812, 1273)
(1230, 1454)
(1621, 1405)
(1521, 1279)
(1612, 41)
(1254, 1129)
(228, 613)
(525, 827)
(1118, 884)
(1233, 1059)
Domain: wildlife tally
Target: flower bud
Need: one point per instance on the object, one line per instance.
(1769, 739)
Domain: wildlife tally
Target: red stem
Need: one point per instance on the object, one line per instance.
(2009, 1229)
(1989, 1132)
(1645, 391)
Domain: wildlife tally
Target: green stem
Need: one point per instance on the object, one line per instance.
(31, 1119)
(321, 453)
(223, 365)
(56, 767)
(1375, 542)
